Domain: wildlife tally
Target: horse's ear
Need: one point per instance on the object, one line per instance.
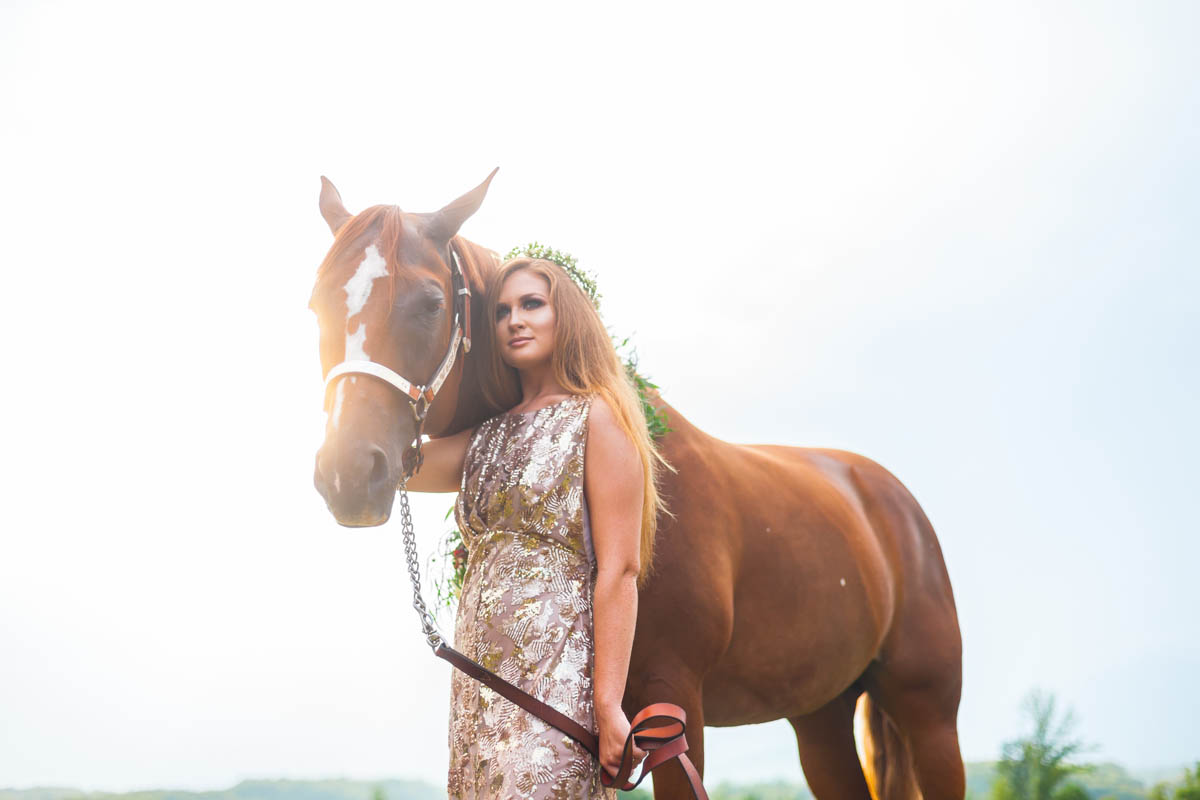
(446, 222)
(331, 206)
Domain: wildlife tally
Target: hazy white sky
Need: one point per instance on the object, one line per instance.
(957, 238)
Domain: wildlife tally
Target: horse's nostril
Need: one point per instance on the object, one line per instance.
(379, 469)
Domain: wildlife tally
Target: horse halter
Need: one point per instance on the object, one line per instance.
(420, 397)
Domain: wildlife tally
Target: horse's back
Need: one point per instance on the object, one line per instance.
(890, 514)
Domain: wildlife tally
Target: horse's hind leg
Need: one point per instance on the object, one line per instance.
(925, 717)
(825, 739)
(918, 684)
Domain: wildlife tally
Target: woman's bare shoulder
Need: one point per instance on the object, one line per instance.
(600, 409)
(601, 417)
(606, 435)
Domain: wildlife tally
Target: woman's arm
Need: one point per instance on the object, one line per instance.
(613, 485)
(441, 471)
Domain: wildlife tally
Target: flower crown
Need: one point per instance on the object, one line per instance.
(583, 279)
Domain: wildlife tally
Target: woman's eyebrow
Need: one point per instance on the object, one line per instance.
(522, 298)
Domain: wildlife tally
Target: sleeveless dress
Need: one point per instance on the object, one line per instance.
(525, 611)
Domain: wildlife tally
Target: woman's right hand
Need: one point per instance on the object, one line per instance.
(441, 470)
(614, 730)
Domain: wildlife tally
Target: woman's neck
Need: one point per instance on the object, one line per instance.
(538, 384)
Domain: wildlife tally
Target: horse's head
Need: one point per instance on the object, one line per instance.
(390, 311)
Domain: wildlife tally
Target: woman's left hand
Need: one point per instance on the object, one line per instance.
(614, 730)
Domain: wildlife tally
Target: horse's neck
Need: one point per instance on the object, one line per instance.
(683, 434)
(481, 263)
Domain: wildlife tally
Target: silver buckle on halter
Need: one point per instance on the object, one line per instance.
(420, 406)
(466, 340)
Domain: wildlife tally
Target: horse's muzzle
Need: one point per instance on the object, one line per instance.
(357, 481)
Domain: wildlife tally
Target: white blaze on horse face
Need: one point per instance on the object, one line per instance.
(358, 291)
(337, 403)
(354, 352)
(339, 396)
(356, 344)
(358, 288)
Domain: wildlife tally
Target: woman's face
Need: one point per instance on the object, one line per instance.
(525, 320)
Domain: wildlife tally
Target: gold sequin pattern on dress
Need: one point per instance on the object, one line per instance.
(525, 611)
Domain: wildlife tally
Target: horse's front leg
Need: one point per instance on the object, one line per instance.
(676, 686)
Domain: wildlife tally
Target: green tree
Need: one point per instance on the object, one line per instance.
(1072, 791)
(1035, 767)
(1188, 790)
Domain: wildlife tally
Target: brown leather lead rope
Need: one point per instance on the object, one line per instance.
(662, 743)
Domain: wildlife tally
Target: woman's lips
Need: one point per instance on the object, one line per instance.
(518, 341)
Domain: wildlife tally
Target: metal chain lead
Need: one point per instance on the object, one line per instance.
(428, 626)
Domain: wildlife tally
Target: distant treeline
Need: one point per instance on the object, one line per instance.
(256, 790)
(1108, 781)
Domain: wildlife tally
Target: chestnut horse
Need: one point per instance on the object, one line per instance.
(790, 581)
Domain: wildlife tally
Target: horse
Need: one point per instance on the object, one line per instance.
(790, 582)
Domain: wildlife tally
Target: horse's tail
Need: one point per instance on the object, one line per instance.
(887, 762)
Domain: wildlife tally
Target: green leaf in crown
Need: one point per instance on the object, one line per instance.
(583, 279)
(453, 549)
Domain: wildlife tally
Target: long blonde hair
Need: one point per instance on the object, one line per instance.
(585, 361)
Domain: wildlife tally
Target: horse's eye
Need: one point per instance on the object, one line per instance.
(433, 305)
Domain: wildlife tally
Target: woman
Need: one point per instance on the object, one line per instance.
(557, 506)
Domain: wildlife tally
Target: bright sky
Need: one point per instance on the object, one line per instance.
(957, 238)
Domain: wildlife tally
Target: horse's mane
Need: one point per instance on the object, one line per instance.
(472, 258)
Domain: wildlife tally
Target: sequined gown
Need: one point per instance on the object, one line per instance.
(525, 611)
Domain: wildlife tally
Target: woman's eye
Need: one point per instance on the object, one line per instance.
(501, 312)
(531, 303)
